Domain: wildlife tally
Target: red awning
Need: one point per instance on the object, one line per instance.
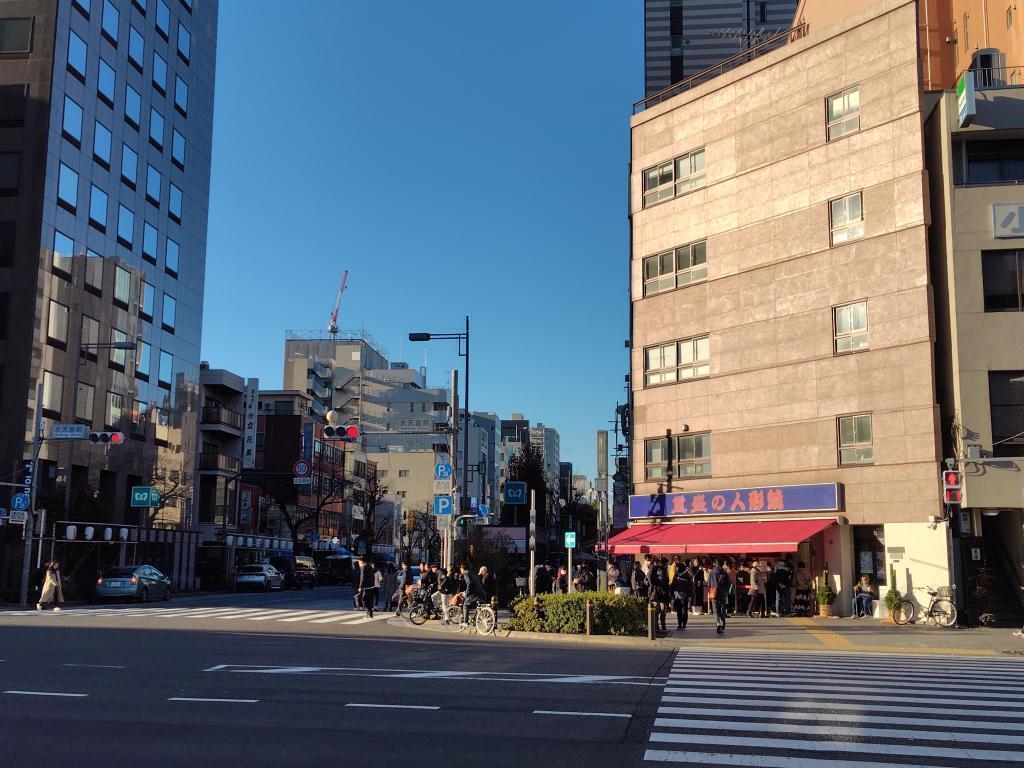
(753, 537)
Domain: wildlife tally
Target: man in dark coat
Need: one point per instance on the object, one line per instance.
(474, 592)
(366, 586)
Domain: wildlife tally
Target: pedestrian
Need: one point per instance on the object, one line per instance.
(542, 581)
(612, 573)
(487, 581)
(659, 592)
(474, 592)
(53, 592)
(584, 579)
(378, 583)
(561, 585)
(705, 567)
(758, 579)
(719, 589)
(802, 582)
(743, 587)
(770, 589)
(640, 585)
(401, 579)
(682, 592)
(783, 587)
(445, 589)
(863, 594)
(367, 585)
(697, 577)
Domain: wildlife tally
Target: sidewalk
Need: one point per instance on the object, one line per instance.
(798, 634)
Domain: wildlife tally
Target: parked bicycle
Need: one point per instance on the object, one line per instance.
(940, 609)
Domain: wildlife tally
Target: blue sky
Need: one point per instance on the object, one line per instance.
(457, 157)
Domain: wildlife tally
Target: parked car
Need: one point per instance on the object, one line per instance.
(135, 582)
(299, 571)
(265, 577)
(334, 569)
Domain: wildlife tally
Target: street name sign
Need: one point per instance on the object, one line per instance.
(145, 496)
(69, 432)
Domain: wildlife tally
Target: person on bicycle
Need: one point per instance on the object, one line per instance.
(428, 585)
(443, 591)
(473, 590)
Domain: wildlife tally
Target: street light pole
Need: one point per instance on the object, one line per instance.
(465, 423)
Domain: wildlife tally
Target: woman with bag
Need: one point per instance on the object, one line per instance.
(53, 592)
(682, 593)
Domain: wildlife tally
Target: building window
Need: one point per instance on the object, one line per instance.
(170, 308)
(132, 107)
(172, 257)
(106, 85)
(122, 287)
(85, 6)
(90, 336)
(1006, 408)
(676, 268)
(159, 72)
(63, 251)
(855, 440)
(57, 325)
(153, 185)
(141, 5)
(13, 99)
(674, 178)
(149, 240)
(403, 473)
(53, 394)
(71, 126)
(129, 166)
(84, 401)
(174, 203)
(148, 297)
(115, 410)
(851, 327)
(78, 54)
(847, 218)
(184, 43)
(10, 173)
(101, 144)
(163, 18)
(994, 162)
(142, 360)
(118, 357)
(136, 48)
(761, 11)
(1002, 274)
(180, 95)
(843, 113)
(67, 188)
(178, 149)
(125, 227)
(111, 17)
(16, 36)
(156, 129)
(678, 361)
(98, 208)
(165, 374)
(682, 456)
(94, 271)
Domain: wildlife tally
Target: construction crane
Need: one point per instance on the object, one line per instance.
(332, 325)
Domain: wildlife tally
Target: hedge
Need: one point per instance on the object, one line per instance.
(566, 614)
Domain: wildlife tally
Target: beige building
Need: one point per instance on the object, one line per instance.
(794, 373)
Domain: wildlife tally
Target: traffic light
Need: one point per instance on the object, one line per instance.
(952, 493)
(106, 438)
(349, 434)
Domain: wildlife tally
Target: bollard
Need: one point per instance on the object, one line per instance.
(590, 616)
(651, 631)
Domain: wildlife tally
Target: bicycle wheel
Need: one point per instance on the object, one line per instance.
(485, 620)
(404, 605)
(418, 615)
(944, 612)
(452, 614)
(903, 613)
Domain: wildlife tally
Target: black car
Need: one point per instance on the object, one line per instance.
(299, 572)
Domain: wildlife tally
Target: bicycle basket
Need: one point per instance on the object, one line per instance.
(946, 592)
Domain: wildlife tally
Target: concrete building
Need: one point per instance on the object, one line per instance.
(806, 277)
(107, 108)
(684, 37)
(545, 439)
(219, 459)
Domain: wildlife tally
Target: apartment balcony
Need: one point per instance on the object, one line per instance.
(987, 78)
(217, 419)
(219, 463)
(320, 389)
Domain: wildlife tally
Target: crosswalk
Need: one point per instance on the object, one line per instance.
(222, 614)
(810, 710)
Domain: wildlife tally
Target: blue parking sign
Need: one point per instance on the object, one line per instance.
(20, 502)
(443, 505)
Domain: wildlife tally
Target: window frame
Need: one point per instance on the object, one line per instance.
(143, 359)
(87, 393)
(127, 243)
(53, 386)
(855, 445)
(186, 54)
(74, 138)
(181, 87)
(177, 135)
(110, 36)
(71, 67)
(849, 228)
(676, 274)
(853, 333)
(168, 305)
(133, 180)
(161, 84)
(133, 117)
(175, 202)
(146, 254)
(173, 271)
(93, 279)
(118, 358)
(155, 117)
(1010, 445)
(677, 368)
(122, 301)
(151, 173)
(671, 184)
(104, 161)
(136, 38)
(58, 322)
(71, 205)
(100, 224)
(846, 123)
(989, 277)
(110, 420)
(107, 98)
(672, 461)
(164, 30)
(62, 264)
(147, 301)
(163, 357)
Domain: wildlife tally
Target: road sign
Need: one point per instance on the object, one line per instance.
(515, 492)
(570, 539)
(301, 468)
(20, 502)
(442, 470)
(443, 505)
(443, 487)
(69, 432)
(302, 480)
(18, 517)
(481, 510)
(145, 496)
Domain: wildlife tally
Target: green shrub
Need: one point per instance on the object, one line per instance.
(566, 614)
(826, 595)
(893, 596)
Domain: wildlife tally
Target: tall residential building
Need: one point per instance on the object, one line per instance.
(106, 108)
(546, 440)
(684, 37)
(827, 307)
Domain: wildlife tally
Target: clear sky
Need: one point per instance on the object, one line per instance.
(456, 157)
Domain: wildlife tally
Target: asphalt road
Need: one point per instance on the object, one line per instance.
(299, 678)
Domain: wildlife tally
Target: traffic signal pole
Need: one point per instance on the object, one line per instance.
(37, 444)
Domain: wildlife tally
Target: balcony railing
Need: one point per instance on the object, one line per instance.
(741, 58)
(998, 77)
(219, 462)
(213, 414)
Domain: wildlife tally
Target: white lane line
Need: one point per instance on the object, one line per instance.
(277, 615)
(241, 613)
(758, 694)
(367, 620)
(864, 747)
(580, 714)
(910, 689)
(343, 617)
(311, 615)
(391, 706)
(761, 761)
(214, 701)
(829, 707)
(898, 679)
(821, 715)
(831, 730)
(96, 666)
(48, 693)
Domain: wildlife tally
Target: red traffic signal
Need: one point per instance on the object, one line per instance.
(951, 490)
(348, 434)
(352, 432)
(953, 495)
(951, 478)
(107, 438)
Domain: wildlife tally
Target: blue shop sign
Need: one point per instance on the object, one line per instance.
(823, 497)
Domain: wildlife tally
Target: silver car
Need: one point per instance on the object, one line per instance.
(265, 577)
(134, 582)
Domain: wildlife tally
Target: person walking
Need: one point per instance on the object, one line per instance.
(758, 580)
(639, 582)
(783, 588)
(53, 592)
(682, 593)
(612, 572)
(743, 587)
(659, 593)
(719, 587)
(561, 585)
(401, 579)
(770, 589)
(487, 581)
(802, 582)
(367, 585)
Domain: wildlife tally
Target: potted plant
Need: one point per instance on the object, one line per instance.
(826, 595)
(893, 596)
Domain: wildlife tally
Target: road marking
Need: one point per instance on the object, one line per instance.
(844, 707)
(705, 687)
(95, 666)
(760, 761)
(391, 706)
(896, 689)
(343, 617)
(822, 715)
(311, 615)
(48, 693)
(579, 714)
(215, 701)
(275, 615)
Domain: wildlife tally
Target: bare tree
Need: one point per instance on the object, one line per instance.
(425, 534)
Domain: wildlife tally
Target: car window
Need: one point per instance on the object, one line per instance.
(112, 573)
(156, 574)
(251, 569)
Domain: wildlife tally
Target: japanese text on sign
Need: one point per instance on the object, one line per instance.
(783, 498)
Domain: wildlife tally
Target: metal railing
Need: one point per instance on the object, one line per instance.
(212, 414)
(741, 58)
(219, 462)
(997, 77)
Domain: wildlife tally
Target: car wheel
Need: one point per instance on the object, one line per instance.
(144, 595)
(167, 594)
(266, 585)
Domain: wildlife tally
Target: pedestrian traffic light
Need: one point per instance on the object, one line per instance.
(106, 438)
(951, 491)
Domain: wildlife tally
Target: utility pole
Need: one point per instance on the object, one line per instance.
(448, 529)
(37, 444)
(533, 543)
(465, 424)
